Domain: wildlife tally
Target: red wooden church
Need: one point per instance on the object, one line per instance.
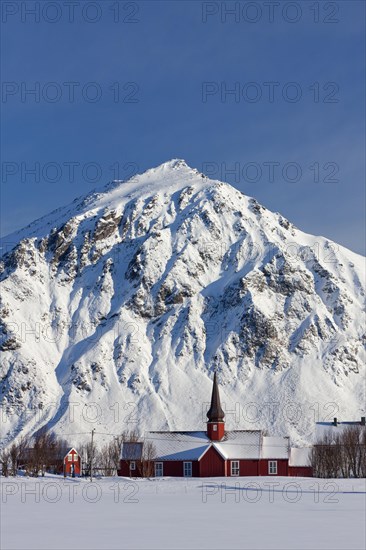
(214, 452)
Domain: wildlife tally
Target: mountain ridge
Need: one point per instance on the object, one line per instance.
(142, 288)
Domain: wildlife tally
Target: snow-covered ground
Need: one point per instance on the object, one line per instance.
(261, 513)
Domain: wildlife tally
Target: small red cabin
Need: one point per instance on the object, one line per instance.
(72, 463)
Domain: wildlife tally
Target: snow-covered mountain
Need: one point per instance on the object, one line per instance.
(118, 307)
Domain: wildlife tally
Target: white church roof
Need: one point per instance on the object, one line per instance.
(236, 444)
(240, 444)
(178, 445)
(275, 447)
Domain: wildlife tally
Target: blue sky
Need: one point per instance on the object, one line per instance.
(172, 63)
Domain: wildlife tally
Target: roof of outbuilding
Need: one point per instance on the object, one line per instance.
(324, 427)
(300, 456)
(131, 450)
(70, 452)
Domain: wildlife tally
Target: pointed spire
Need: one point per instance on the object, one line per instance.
(215, 412)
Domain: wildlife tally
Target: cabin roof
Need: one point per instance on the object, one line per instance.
(69, 452)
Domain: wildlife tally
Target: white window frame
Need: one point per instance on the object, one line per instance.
(132, 465)
(272, 467)
(159, 466)
(189, 465)
(69, 458)
(234, 468)
(214, 427)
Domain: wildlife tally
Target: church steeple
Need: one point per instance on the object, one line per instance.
(215, 414)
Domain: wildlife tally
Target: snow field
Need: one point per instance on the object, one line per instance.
(263, 513)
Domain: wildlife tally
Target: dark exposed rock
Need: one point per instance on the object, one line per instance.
(11, 344)
(106, 225)
(60, 240)
(285, 278)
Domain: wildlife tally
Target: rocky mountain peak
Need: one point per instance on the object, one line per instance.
(133, 294)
